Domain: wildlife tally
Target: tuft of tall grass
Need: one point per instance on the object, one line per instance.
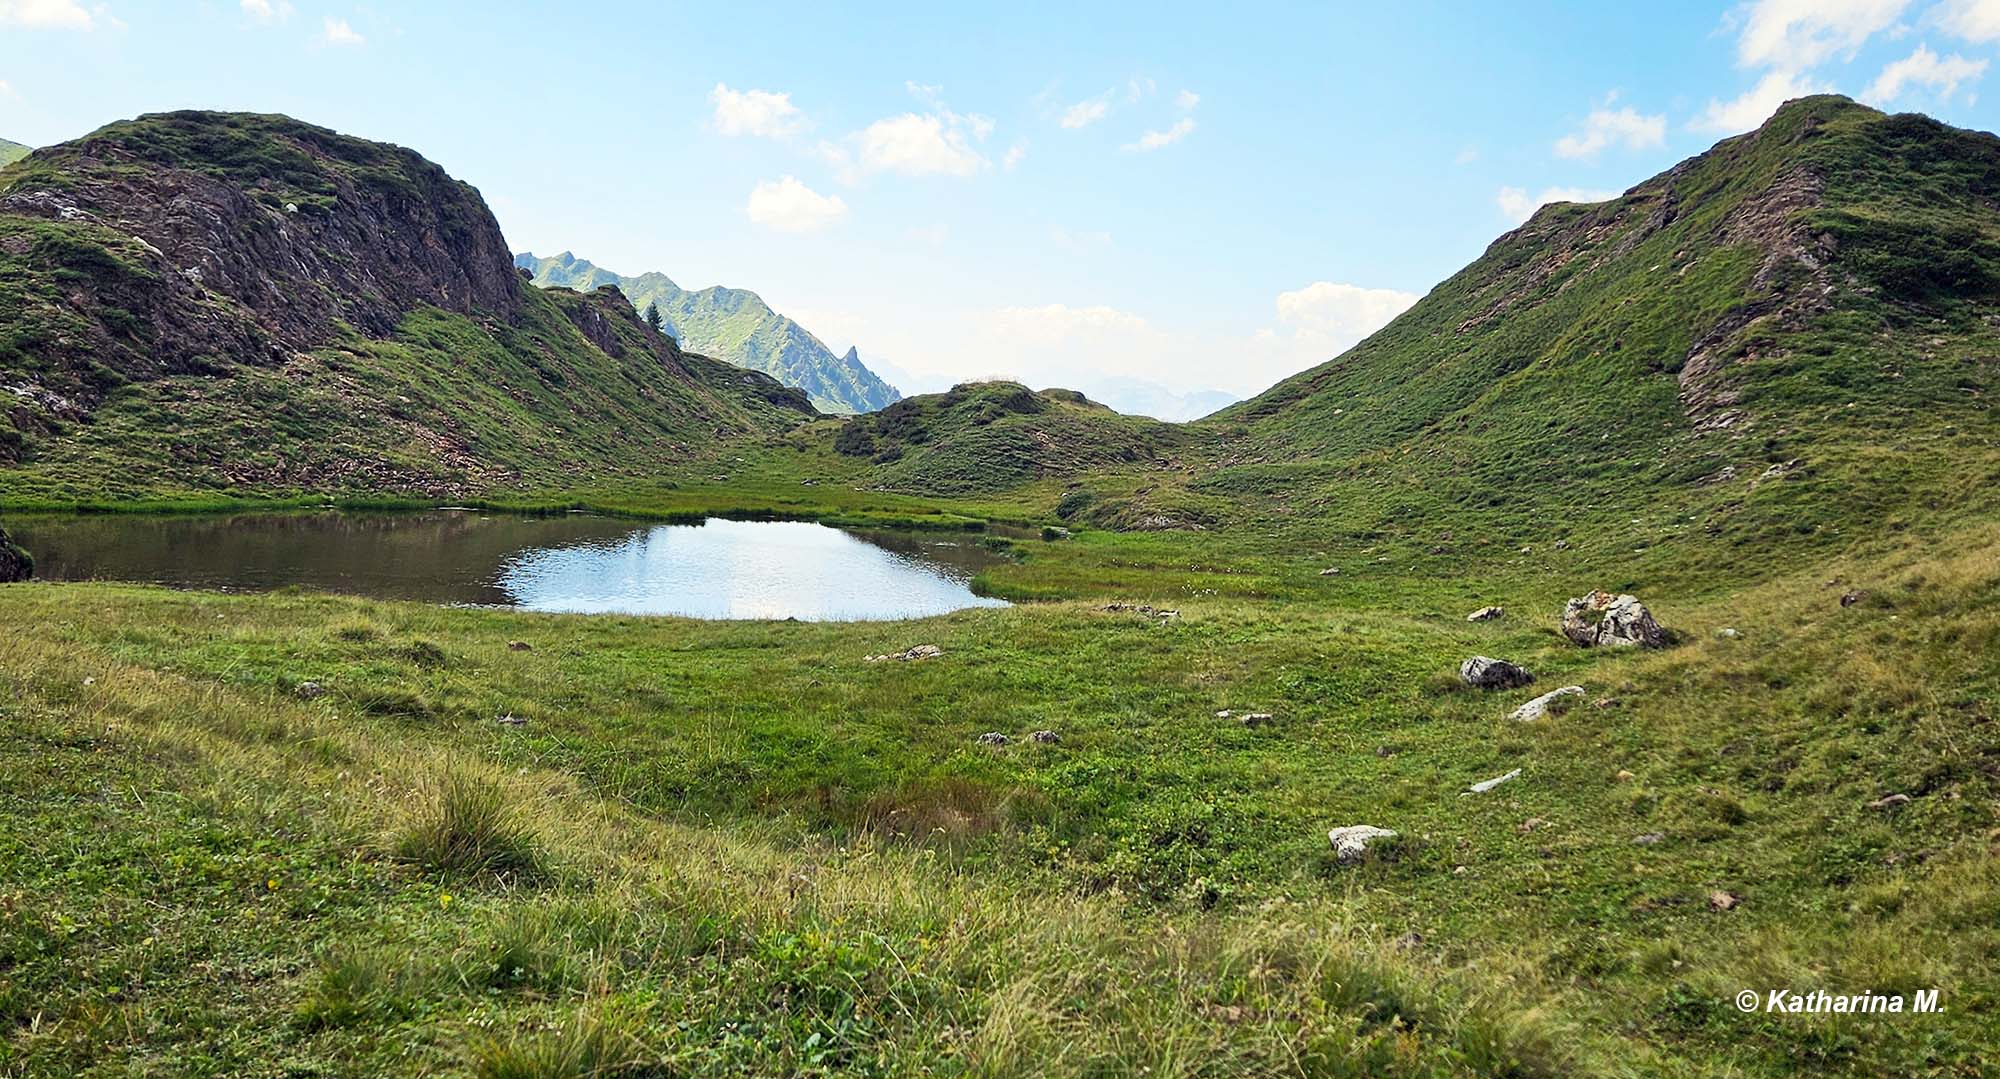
(592, 1045)
(469, 826)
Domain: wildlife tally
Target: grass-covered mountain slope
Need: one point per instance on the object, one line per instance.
(988, 436)
(736, 325)
(1789, 333)
(11, 152)
(208, 302)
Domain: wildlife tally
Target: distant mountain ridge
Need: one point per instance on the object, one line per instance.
(11, 152)
(734, 325)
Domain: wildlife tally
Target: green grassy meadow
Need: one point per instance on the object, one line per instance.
(735, 848)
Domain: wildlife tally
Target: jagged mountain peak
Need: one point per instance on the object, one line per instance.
(735, 325)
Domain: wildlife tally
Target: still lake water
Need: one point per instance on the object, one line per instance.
(572, 563)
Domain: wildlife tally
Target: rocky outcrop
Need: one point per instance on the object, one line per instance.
(178, 242)
(1485, 672)
(15, 563)
(1601, 619)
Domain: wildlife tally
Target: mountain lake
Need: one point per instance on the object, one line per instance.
(573, 563)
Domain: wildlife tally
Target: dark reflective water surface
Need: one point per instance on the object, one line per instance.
(578, 563)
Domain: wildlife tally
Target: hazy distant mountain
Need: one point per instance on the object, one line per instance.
(1138, 397)
(734, 325)
(11, 152)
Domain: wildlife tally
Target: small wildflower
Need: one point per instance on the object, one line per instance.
(444, 900)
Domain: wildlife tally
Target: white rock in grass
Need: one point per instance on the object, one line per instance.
(1485, 785)
(1350, 844)
(1540, 706)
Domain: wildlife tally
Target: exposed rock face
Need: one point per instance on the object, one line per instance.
(1602, 619)
(246, 238)
(1350, 844)
(1485, 672)
(15, 564)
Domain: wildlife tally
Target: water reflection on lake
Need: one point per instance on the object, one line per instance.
(576, 563)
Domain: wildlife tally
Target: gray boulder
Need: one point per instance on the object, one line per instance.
(1601, 619)
(1485, 672)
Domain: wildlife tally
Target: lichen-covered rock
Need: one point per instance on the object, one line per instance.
(15, 563)
(1601, 619)
(1485, 672)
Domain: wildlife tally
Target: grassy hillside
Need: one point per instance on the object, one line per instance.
(201, 303)
(1784, 337)
(990, 436)
(733, 325)
(11, 152)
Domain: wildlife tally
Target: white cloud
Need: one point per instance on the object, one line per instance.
(1340, 311)
(337, 32)
(1788, 39)
(939, 142)
(1794, 35)
(1756, 104)
(1605, 127)
(790, 206)
(1519, 206)
(1187, 99)
(755, 112)
(48, 14)
(1924, 68)
(1466, 155)
(1154, 140)
(1014, 155)
(1973, 20)
(1086, 112)
(267, 11)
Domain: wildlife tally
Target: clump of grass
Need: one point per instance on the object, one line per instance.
(353, 985)
(594, 1045)
(355, 630)
(469, 827)
(423, 653)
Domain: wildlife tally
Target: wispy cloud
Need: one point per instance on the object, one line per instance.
(267, 11)
(788, 205)
(1607, 127)
(1518, 206)
(337, 32)
(1940, 74)
(1086, 112)
(762, 113)
(1155, 140)
(936, 142)
(51, 15)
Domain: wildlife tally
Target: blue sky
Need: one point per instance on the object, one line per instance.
(1191, 195)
